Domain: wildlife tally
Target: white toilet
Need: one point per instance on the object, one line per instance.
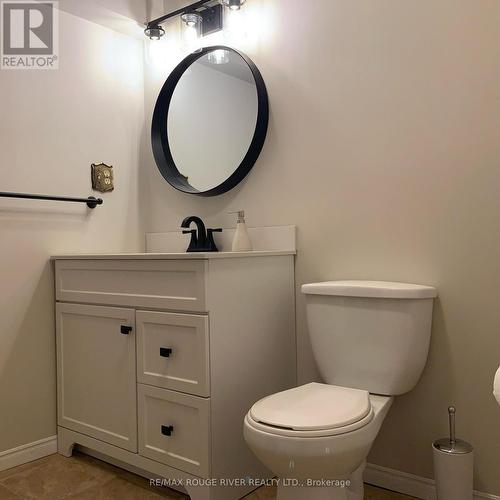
(370, 340)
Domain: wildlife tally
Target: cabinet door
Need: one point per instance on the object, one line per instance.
(174, 429)
(96, 374)
(172, 351)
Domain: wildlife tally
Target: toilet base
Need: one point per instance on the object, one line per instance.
(355, 490)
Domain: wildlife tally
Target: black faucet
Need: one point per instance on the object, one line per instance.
(202, 240)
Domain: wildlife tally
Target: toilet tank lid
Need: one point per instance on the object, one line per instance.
(376, 289)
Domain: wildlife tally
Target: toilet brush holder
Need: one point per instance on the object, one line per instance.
(453, 465)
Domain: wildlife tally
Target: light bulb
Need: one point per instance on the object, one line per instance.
(191, 30)
(191, 19)
(233, 4)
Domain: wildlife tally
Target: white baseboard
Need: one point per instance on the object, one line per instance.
(27, 453)
(408, 484)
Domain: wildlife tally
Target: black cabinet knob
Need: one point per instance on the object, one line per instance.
(167, 430)
(165, 352)
(125, 330)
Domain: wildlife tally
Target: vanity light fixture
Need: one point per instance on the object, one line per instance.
(204, 15)
(191, 19)
(233, 4)
(154, 31)
(191, 26)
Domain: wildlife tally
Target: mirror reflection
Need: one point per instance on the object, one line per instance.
(212, 118)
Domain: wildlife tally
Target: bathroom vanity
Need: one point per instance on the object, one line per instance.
(159, 357)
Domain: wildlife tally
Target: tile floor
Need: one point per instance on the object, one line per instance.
(85, 478)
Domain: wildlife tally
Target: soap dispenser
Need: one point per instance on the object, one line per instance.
(241, 241)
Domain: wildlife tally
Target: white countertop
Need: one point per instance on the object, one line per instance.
(171, 256)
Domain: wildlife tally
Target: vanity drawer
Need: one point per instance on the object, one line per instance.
(172, 351)
(174, 429)
(162, 284)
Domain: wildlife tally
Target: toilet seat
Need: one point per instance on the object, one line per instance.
(312, 410)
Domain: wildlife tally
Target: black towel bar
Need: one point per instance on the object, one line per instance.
(90, 201)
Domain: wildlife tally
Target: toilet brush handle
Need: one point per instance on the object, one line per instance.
(451, 417)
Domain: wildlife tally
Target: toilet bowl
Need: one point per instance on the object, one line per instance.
(370, 340)
(318, 435)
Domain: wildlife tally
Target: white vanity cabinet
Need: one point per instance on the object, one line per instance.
(159, 357)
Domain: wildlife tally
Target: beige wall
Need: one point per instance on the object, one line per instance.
(53, 125)
(384, 150)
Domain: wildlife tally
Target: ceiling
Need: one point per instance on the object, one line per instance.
(125, 16)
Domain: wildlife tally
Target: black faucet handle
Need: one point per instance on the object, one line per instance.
(211, 246)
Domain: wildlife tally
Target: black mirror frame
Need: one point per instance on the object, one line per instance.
(159, 135)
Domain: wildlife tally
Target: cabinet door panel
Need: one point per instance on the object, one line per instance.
(174, 429)
(172, 351)
(96, 373)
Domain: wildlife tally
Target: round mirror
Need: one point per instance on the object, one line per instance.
(210, 121)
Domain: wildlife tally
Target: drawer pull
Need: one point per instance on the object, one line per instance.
(167, 430)
(165, 352)
(125, 330)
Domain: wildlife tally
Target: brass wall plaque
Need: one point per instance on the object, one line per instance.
(102, 177)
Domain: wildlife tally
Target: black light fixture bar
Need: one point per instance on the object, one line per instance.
(90, 201)
(178, 12)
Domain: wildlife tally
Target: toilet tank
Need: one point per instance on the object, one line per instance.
(371, 335)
